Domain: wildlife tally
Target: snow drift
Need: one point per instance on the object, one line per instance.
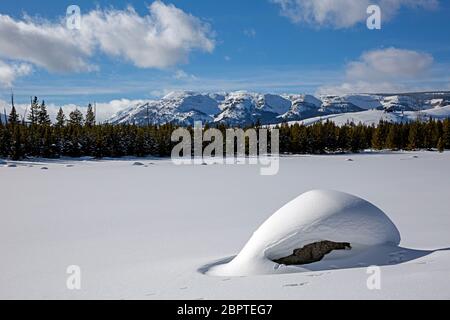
(315, 216)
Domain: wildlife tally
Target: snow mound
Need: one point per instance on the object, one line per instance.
(314, 216)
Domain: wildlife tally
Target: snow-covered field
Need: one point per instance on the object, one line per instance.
(150, 232)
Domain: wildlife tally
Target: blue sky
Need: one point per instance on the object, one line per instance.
(255, 45)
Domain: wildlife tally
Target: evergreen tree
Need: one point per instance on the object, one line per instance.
(17, 145)
(392, 138)
(49, 147)
(43, 117)
(414, 136)
(446, 133)
(33, 116)
(377, 139)
(307, 142)
(100, 147)
(76, 118)
(357, 139)
(344, 142)
(4, 140)
(13, 118)
(90, 116)
(441, 145)
(140, 143)
(60, 118)
(430, 138)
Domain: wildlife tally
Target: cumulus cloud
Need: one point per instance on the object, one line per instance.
(389, 63)
(46, 45)
(10, 72)
(343, 13)
(163, 38)
(383, 70)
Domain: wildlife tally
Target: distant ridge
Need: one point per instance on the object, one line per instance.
(241, 108)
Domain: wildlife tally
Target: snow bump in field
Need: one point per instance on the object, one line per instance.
(318, 218)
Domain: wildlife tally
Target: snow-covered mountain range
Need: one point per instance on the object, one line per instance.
(374, 116)
(242, 108)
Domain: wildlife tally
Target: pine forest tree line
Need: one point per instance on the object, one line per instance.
(79, 135)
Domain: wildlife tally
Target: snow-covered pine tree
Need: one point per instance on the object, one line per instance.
(76, 118)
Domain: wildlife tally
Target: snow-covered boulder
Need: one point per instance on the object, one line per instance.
(319, 215)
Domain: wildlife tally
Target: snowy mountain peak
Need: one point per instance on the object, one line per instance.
(243, 108)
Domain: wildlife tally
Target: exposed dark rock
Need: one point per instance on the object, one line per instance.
(313, 252)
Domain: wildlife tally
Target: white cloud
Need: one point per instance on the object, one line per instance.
(182, 75)
(363, 87)
(384, 70)
(10, 72)
(389, 63)
(107, 109)
(104, 110)
(161, 39)
(343, 13)
(50, 46)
